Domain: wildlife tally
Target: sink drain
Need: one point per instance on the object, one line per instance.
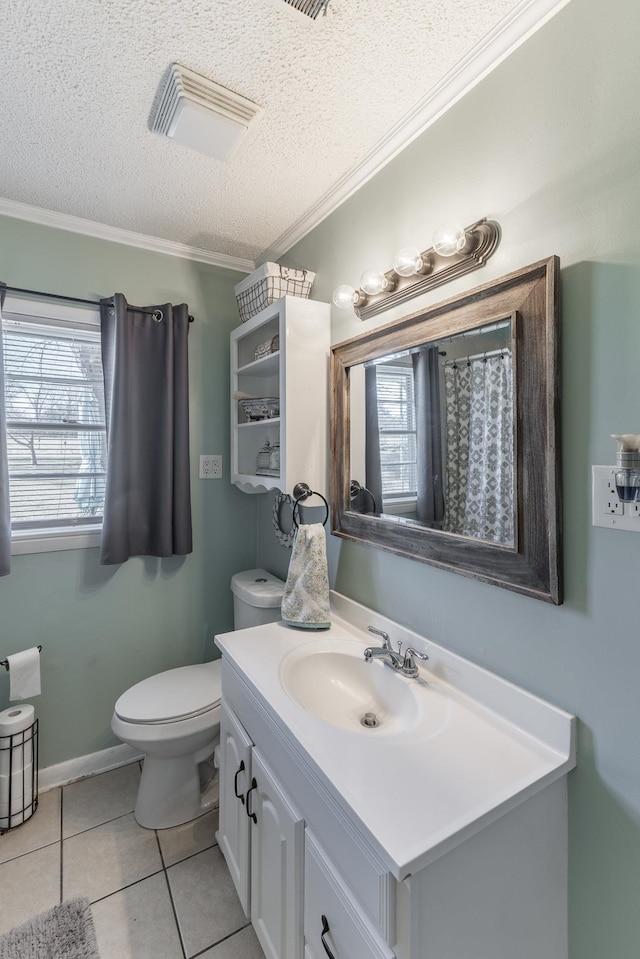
(370, 720)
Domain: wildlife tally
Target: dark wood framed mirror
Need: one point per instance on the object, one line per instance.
(445, 434)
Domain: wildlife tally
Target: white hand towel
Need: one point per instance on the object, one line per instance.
(305, 602)
(24, 674)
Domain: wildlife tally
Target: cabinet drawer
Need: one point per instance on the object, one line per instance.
(334, 925)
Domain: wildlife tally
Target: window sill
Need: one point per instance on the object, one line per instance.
(399, 505)
(38, 541)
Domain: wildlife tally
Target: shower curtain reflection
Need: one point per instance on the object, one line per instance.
(480, 475)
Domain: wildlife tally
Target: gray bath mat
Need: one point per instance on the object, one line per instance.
(64, 932)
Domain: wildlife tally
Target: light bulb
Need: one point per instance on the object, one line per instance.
(344, 296)
(449, 239)
(373, 281)
(407, 261)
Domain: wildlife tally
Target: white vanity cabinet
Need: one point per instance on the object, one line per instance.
(444, 837)
(295, 372)
(298, 870)
(261, 836)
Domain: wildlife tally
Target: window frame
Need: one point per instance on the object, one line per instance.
(82, 535)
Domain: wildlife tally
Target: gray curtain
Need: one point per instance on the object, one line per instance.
(430, 499)
(147, 509)
(373, 472)
(5, 516)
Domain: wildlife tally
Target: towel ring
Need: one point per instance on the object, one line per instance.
(301, 492)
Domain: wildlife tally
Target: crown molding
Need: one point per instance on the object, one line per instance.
(523, 21)
(100, 231)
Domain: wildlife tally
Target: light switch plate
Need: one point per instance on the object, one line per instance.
(608, 509)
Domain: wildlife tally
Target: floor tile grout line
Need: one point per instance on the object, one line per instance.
(219, 941)
(191, 855)
(164, 865)
(175, 912)
(97, 825)
(61, 850)
(29, 852)
(129, 885)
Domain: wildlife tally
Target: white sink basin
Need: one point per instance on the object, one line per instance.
(332, 680)
(455, 749)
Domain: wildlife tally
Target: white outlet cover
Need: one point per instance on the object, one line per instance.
(608, 509)
(210, 466)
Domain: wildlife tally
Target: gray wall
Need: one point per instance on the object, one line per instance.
(549, 145)
(104, 628)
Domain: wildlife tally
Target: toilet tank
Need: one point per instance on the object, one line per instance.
(257, 597)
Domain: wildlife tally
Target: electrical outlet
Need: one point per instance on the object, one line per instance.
(608, 508)
(210, 466)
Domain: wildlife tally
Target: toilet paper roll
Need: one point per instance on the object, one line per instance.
(24, 674)
(15, 719)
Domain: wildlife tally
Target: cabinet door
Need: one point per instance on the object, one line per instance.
(235, 778)
(277, 852)
(334, 924)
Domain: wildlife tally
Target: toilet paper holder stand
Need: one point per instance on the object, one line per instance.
(18, 767)
(5, 662)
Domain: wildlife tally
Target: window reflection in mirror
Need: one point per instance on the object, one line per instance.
(432, 438)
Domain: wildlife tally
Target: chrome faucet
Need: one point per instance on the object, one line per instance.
(386, 642)
(405, 664)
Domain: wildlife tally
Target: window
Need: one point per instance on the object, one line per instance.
(56, 439)
(397, 431)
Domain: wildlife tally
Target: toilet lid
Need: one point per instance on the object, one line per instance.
(175, 694)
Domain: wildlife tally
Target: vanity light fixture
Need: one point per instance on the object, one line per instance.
(456, 250)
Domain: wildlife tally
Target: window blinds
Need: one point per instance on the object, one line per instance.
(56, 438)
(397, 430)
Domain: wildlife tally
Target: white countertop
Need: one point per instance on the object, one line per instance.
(419, 792)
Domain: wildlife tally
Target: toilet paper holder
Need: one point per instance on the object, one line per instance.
(18, 766)
(5, 662)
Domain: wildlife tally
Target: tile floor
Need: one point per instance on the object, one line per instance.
(155, 894)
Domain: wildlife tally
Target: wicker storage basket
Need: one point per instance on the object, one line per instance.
(268, 283)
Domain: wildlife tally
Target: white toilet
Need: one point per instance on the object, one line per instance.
(174, 718)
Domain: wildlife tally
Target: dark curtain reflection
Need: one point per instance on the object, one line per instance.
(430, 500)
(373, 471)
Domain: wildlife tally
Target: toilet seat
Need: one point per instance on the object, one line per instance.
(172, 696)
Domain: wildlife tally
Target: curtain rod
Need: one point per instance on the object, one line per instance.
(75, 299)
(505, 351)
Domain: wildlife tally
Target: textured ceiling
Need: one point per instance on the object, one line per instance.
(78, 80)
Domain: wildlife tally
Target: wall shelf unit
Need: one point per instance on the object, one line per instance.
(297, 374)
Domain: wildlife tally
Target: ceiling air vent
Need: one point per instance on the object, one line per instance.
(309, 7)
(201, 114)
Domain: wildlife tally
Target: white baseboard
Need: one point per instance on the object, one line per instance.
(64, 773)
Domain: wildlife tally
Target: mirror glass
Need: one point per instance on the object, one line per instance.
(444, 434)
(432, 434)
